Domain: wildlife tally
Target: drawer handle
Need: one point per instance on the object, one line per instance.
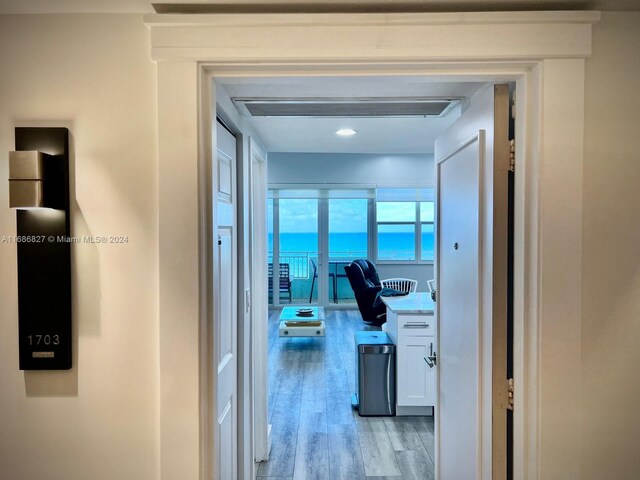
(416, 325)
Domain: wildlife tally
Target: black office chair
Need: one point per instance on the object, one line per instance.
(365, 282)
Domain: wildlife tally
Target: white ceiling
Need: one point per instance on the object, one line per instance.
(146, 6)
(375, 135)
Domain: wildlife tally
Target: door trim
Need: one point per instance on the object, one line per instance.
(259, 303)
(532, 48)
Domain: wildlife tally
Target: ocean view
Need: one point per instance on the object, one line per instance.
(348, 246)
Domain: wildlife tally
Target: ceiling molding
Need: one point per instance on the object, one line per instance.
(374, 19)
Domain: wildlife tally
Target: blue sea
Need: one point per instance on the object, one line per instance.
(299, 250)
(348, 246)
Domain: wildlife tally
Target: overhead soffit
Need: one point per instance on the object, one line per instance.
(298, 132)
(352, 107)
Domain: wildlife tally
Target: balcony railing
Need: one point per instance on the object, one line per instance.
(300, 262)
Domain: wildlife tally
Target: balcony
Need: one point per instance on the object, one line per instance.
(301, 273)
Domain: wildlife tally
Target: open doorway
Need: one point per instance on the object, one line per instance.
(527, 47)
(391, 195)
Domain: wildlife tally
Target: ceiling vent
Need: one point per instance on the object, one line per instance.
(346, 107)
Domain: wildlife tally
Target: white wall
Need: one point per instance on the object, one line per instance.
(611, 253)
(92, 74)
(100, 420)
(335, 168)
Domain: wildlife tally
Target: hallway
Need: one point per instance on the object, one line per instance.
(315, 433)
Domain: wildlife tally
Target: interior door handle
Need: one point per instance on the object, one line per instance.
(431, 359)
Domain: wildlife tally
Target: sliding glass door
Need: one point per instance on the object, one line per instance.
(299, 246)
(314, 234)
(348, 239)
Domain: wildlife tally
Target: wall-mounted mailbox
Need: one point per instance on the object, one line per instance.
(39, 190)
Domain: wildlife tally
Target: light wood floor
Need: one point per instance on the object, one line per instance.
(315, 433)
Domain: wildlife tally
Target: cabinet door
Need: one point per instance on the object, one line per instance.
(416, 380)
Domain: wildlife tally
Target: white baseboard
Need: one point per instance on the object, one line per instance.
(414, 411)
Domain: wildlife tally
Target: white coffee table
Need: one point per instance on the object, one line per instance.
(294, 325)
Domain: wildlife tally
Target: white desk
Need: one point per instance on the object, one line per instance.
(411, 324)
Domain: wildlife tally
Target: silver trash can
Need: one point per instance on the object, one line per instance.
(375, 374)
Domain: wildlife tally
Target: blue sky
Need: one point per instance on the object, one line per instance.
(301, 215)
(345, 215)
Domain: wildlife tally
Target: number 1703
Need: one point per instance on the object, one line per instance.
(44, 339)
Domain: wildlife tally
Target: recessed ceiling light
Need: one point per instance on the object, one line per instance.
(346, 132)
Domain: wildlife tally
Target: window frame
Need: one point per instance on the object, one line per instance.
(420, 223)
(417, 228)
(372, 230)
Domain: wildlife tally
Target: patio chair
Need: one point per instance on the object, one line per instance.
(401, 284)
(332, 277)
(284, 280)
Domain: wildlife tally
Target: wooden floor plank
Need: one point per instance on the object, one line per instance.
(316, 352)
(383, 478)
(377, 454)
(345, 456)
(337, 380)
(339, 409)
(415, 465)
(312, 453)
(314, 378)
(284, 431)
(291, 371)
(424, 427)
(271, 404)
(403, 434)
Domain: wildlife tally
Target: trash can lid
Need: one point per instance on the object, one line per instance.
(372, 337)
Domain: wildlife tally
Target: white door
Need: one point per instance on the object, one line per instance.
(225, 333)
(472, 164)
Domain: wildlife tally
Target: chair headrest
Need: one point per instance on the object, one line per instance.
(362, 274)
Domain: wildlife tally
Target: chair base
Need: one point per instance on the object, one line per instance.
(378, 322)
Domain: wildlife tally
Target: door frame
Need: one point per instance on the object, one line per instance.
(543, 52)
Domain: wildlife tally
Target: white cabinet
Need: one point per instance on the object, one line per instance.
(416, 380)
(412, 327)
